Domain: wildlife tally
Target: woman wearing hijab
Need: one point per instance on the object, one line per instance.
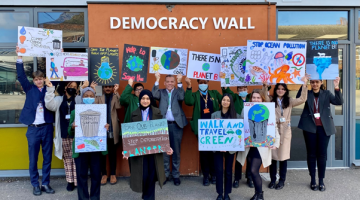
(84, 160)
(146, 169)
(227, 111)
(63, 105)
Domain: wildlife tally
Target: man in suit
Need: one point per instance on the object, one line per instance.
(40, 126)
(170, 106)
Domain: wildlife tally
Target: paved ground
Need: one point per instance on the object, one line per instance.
(341, 184)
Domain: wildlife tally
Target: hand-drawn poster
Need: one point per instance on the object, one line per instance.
(260, 122)
(322, 62)
(204, 66)
(135, 63)
(221, 135)
(104, 66)
(276, 61)
(168, 60)
(38, 42)
(233, 66)
(67, 67)
(90, 131)
(145, 137)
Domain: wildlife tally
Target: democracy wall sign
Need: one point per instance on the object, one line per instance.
(145, 137)
(135, 63)
(204, 66)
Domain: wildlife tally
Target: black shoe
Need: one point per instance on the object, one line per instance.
(70, 187)
(166, 180)
(258, 196)
(250, 183)
(322, 188)
(213, 179)
(37, 191)
(47, 189)
(220, 197)
(280, 185)
(314, 187)
(271, 185)
(177, 181)
(236, 184)
(226, 197)
(206, 181)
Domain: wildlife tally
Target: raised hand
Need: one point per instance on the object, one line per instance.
(188, 82)
(93, 85)
(179, 78)
(85, 84)
(130, 82)
(157, 76)
(305, 78)
(18, 51)
(265, 84)
(116, 87)
(48, 82)
(337, 82)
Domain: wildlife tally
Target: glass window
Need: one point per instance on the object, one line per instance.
(305, 25)
(359, 25)
(298, 147)
(12, 96)
(357, 140)
(71, 23)
(339, 143)
(339, 109)
(357, 80)
(9, 22)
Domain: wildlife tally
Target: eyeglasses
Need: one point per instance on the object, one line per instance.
(139, 90)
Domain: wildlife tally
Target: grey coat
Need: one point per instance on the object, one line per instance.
(307, 121)
(177, 97)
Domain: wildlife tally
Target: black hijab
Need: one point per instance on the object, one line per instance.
(148, 93)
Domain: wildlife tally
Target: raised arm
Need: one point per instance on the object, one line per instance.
(264, 91)
(117, 96)
(126, 94)
(303, 95)
(50, 102)
(181, 92)
(337, 99)
(155, 90)
(189, 97)
(22, 76)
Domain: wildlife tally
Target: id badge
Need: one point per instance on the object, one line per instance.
(282, 119)
(67, 117)
(317, 115)
(206, 110)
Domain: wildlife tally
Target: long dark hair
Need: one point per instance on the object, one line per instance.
(285, 99)
(231, 111)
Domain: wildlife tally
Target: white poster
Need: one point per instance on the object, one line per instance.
(38, 42)
(67, 67)
(168, 60)
(260, 124)
(276, 61)
(204, 66)
(221, 135)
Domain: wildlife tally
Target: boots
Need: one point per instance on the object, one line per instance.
(258, 196)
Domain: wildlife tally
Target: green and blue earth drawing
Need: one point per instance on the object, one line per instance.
(135, 63)
(258, 113)
(105, 72)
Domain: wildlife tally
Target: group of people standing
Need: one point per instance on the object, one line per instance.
(43, 107)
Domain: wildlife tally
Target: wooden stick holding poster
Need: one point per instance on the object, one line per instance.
(168, 60)
(145, 137)
(276, 61)
(322, 61)
(260, 122)
(204, 66)
(135, 63)
(104, 66)
(221, 135)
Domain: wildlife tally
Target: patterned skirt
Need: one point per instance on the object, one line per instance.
(69, 163)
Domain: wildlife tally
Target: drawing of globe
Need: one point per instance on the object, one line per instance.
(206, 66)
(238, 132)
(134, 63)
(105, 72)
(258, 113)
(170, 60)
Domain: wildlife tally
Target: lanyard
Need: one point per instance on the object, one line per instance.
(69, 103)
(316, 104)
(205, 99)
(169, 106)
(280, 104)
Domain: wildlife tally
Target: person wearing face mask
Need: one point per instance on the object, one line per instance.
(317, 123)
(205, 103)
(89, 159)
(131, 100)
(146, 169)
(62, 106)
(283, 108)
(256, 156)
(40, 127)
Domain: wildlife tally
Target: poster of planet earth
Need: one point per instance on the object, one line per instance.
(104, 66)
(204, 66)
(135, 63)
(168, 60)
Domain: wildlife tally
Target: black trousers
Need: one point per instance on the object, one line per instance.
(207, 163)
(219, 168)
(316, 147)
(149, 177)
(254, 160)
(82, 163)
(282, 170)
(112, 148)
(238, 170)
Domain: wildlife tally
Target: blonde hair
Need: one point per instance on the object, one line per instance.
(257, 91)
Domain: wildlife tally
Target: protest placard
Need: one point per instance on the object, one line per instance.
(168, 60)
(204, 66)
(104, 66)
(135, 63)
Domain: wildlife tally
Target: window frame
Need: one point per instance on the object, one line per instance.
(357, 20)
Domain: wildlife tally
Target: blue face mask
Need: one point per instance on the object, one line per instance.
(88, 100)
(203, 88)
(243, 94)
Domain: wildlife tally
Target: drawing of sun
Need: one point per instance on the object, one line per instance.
(156, 67)
(105, 72)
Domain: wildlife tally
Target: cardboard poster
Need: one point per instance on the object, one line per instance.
(221, 135)
(322, 61)
(275, 61)
(260, 124)
(233, 66)
(135, 63)
(90, 133)
(168, 60)
(145, 137)
(38, 42)
(204, 66)
(104, 66)
(67, 67)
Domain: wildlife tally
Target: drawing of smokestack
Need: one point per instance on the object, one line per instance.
(258, 117)
(90, 121)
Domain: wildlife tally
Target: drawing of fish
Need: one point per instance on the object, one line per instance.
(255, 69)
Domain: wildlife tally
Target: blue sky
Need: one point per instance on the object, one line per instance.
(286, 18)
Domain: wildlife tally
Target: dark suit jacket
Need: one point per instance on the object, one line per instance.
(33, 97)
(307, 121)
(136, 177)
